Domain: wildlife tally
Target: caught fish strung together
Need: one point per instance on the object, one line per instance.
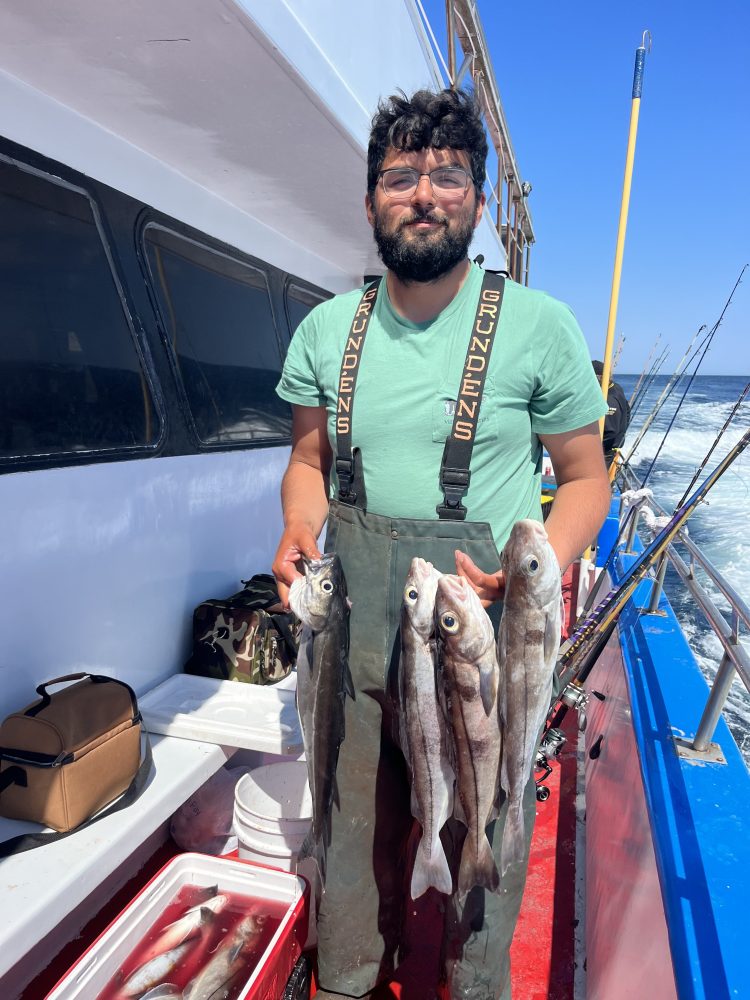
(468, 664)
(528, 642)
(424, 738)
(230, 961)
(323, 680)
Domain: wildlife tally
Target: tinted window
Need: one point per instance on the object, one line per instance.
(299, 302)
(70, 376)
(216, 312)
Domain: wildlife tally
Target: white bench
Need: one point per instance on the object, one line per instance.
(48, 893)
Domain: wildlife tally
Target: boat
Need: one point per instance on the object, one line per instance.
(181, 183)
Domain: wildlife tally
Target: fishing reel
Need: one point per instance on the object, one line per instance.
(577, 697)
(552, 741)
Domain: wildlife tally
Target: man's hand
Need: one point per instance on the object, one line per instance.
(298, 541)
(489, 586)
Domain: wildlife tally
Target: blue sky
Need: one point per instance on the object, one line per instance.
(565, 77)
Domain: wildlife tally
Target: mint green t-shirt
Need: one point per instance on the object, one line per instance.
(539, 381)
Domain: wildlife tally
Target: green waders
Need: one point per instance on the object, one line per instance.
(361, 913)
(368, 873)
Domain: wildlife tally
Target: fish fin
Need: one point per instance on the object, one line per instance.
(348, 682)
(480, 870)
(430, 870)
(512, 849)
(551, 637)
(488, 690)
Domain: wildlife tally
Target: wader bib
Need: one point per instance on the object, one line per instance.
(360, 921)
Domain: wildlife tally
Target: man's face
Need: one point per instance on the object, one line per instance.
(423, 235)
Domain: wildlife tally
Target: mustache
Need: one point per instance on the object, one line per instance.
(423, 217)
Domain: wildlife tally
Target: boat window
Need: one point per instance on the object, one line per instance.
(299, 302)
(71, 379)
(217, 317)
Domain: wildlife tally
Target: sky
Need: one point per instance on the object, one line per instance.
(565, 74)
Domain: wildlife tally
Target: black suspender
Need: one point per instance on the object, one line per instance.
(348, 460)
(454, 469)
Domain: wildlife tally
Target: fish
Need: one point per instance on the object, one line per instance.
(216, 978)
(166, 991)
(155, 971)
(528, 643)
(192, 923)
(423, 733)
(470, 678)
(320, 601)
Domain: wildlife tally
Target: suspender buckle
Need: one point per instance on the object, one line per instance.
(455, 484)
(345, 475)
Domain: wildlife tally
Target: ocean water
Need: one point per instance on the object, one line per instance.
(720, 526)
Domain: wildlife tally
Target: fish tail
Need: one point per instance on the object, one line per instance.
(512, 849)
(430, 869)
(477, 866)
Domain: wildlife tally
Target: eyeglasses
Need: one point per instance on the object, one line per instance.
(402, 182)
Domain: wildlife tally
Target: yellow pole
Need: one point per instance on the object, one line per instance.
(640, 59)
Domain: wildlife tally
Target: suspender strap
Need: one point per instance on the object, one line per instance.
(454, 469)
(348, 461)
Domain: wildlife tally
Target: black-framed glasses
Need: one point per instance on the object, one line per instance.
(402, 182)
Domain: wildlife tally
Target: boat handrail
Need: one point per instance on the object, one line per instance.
(736, 659)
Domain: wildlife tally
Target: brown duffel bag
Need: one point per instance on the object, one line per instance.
(67, 755)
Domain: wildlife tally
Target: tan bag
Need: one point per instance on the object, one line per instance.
(67, 755)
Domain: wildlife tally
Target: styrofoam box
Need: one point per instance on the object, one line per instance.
(249, 716)
(91, 973)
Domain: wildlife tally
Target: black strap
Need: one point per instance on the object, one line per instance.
(348, 459)
(454, 468)
(46, 698)
(13, 776)
(26, 841)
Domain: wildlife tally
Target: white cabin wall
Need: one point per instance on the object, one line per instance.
(103, 564)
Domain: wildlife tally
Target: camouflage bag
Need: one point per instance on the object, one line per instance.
(246, 637)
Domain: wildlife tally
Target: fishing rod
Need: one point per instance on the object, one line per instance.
(650, 379)
(645, 368)
(618, 351)
(711, 450)
(666, 392)
(581, 650)
(708, 342)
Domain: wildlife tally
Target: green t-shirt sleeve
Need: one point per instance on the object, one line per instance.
(299, 381)
(566, 394)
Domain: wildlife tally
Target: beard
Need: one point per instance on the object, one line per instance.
(424, 256)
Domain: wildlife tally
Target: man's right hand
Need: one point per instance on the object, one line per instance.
(298, 541)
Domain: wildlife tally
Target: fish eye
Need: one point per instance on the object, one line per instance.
(327, 587)
(533, 565)
(449, 622)
(411, 595)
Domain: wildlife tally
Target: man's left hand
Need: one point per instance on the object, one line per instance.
(489, 586)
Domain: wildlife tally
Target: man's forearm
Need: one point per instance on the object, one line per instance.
(304, 496)
(577, 514)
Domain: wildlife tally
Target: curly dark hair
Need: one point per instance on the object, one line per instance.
(446, 119)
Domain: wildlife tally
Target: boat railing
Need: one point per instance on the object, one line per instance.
(513, 218)
(735, 660)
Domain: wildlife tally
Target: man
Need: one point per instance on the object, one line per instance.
(383, 379)
(618, 416)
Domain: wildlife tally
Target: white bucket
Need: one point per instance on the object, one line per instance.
(273, 813)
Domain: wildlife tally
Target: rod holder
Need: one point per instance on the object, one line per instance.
(632, 531)
(653, 604)
(716, 701)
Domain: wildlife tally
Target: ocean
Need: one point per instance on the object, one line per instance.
(721, 526)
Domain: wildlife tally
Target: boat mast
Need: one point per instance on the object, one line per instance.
(640, 59)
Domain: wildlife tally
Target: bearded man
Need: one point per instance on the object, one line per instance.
(384, 405)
